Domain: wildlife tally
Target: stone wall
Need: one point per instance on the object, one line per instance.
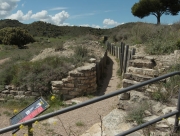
(80, 81)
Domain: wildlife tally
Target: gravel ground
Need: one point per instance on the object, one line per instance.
(76, 122)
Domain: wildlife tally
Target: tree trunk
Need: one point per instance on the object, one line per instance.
(158, 19)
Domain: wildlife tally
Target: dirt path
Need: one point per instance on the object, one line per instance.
(78, 121)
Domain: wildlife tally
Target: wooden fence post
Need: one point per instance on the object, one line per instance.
(133, 51)
(128, 58)
(119, 53)
(125, 58)
(111, 49)
(114, 50)
(97, 73)
(121, 57)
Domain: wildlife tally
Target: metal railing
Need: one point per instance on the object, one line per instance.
(100, 98)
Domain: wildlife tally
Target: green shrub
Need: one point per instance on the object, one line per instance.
(81, 51)
(15, 36)
(80, 124)
(159, 96)
(161, 41)
(137, 113)
(173, 84)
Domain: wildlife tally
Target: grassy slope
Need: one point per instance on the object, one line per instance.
(158, 39)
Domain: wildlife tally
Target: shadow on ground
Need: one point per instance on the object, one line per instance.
(105, 81)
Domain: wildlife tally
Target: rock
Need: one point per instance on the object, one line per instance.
(143, 71)
(9, 87)
(28, 93)
(91, 66)
(159, 133)
(92, 60)
(2, 100)
(57, 83)
(142, 64)
(157, 107)
(35, 94)
(52, 120)
(177, 53)
(6, 92)
(168, 110)
(163, 127)
(125, 96)
(137, 96)
(10, 96)
(95, 130)
(136, 77)
(163, 90)
(120, 106)
(76, 101)
(19, 97)
(174, 101)
(124, 105)
(147, 113)
(114, 123)
(127, 83)
(13, 92)
(147, 119)
(114, 118)
(21, 92)
(171, 121)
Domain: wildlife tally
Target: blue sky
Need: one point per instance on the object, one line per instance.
(93, 13)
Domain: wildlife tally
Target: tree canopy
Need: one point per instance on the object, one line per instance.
(156, 7)
(15, 36)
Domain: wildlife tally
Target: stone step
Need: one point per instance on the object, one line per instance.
(137, 77)
(143, 71)
(139, 63)
(143, 57)
(127, 83)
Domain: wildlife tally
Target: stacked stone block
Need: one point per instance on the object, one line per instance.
(80, 81)
(13, 92)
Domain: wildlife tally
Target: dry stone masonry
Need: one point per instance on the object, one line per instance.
(79, 82)
(142, 68)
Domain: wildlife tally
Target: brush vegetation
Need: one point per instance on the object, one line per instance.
(20, 71)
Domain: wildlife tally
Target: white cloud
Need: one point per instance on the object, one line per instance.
(40, 15)
(6, 6)
(57, 19)
(85, 25)
(19, 15)
(59, 8)
(96, 26)
(110, 22)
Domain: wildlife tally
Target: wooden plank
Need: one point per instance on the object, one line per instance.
(125, 58)
(121, 57)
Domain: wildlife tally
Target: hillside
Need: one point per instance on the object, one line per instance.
(59, 49)
(43, 29)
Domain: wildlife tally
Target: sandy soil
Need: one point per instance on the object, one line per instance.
(77, 121)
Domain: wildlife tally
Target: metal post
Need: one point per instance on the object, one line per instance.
(30, 131)
(176, 124)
